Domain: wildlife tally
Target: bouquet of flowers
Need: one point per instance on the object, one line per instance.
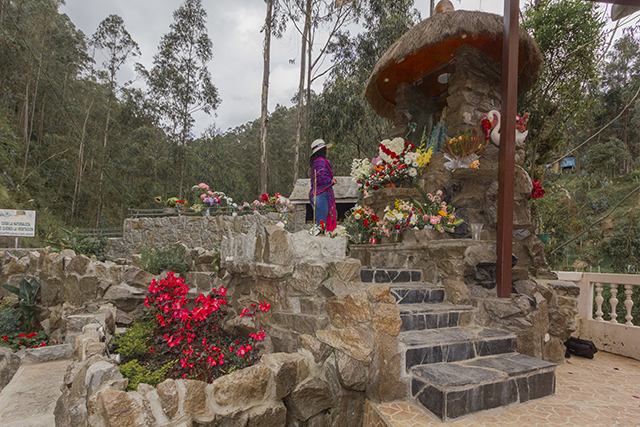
(396, 161)
(278, 203)
(361, 224)
(463, 151)
(397, 219)
(435, 213)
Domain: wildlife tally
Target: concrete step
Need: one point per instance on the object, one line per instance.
(390, 275)
(454, 344)
(416, 317)
(452, 390)
(411, 293)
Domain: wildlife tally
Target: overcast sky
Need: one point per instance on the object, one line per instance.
(234, 27)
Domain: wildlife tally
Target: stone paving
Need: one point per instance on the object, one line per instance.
(604, 391)
(31, 396)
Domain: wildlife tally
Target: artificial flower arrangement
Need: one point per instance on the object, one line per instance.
(396, 161)
(360, 223)
(463, 151)
(537, 192)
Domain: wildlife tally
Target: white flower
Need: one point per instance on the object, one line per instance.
(413, 172)
(411, 159)
(358, 216)
(280, 224)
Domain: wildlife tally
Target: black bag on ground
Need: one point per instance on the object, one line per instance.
(579, 347)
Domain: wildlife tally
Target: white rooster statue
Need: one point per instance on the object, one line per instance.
(521, 132)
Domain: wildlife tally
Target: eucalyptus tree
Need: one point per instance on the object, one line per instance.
(308, 16)
(341, 113)
(179, 80)
(117, 46)
(275, 25)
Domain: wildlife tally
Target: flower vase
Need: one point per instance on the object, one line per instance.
(396, 236)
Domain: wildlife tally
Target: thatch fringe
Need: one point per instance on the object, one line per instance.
(435, 30)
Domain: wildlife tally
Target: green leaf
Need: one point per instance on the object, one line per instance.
(11, 288)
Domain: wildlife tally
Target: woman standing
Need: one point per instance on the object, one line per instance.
(322, 181)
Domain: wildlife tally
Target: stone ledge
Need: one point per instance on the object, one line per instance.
(47, 354)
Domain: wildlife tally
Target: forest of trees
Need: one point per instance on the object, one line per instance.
(82, 147)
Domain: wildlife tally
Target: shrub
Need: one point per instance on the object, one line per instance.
(134, 343)
(83, 245)
(169, 258)
(140, 374)
(9, 322)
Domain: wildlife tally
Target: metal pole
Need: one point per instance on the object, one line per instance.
(16, 243)
(506, 174)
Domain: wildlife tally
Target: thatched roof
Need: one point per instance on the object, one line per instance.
(433, 42)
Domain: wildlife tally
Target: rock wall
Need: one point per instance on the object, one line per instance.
(192, 231)
(340, 335)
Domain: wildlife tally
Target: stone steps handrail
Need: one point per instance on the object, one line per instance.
(618, 335)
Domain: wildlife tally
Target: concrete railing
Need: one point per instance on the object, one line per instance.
(618, 334)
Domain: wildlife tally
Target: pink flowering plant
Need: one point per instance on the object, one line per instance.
(435, 213)
(188, 334)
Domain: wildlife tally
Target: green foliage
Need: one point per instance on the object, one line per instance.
(134, 343)
(623, 249)
(137, 374)
(569, 33)
(607, 158)
(83, 244)
(168, 258)
(26, 291)
(9, 320)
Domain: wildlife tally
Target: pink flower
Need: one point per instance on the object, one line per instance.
(264, 306)
(203, 185)
(435, 219)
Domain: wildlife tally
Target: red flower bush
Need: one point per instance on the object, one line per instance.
(189, 331)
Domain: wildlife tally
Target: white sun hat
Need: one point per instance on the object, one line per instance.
(317, 145)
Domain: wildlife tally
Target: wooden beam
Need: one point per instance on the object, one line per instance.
(506, 172)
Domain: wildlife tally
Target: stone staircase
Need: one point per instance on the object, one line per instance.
(456, 368)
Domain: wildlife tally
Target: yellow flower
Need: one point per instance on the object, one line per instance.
(443, 214)
(475, 164)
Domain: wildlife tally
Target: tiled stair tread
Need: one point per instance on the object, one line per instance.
(431, 308)
(480, 370)
(512, 364)
(417, 294)
(390, 275)
(448, 375)
(432, 337)
(414, 285)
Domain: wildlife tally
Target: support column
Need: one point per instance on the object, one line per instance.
(506, 174)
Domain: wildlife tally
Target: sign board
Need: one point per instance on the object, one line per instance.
(17, 223)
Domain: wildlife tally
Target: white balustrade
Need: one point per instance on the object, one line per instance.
(599, 301)
(614, 303)
(628, 303)
(615, 335)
